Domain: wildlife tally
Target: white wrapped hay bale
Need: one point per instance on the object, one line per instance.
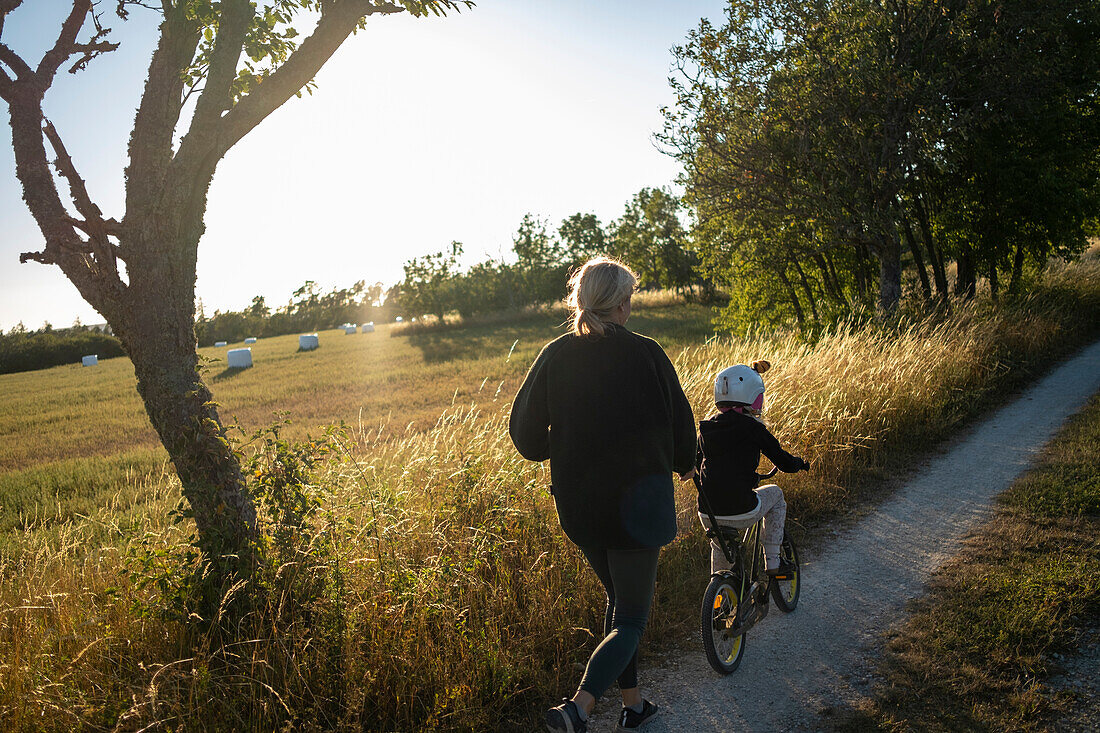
(239, 358)
(308, 342)
(398, 319)
(350, 328)
(90, 360)
(219, 343)
(250, 340)
(368, 327)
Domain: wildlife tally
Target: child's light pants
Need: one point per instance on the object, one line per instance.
(773, 507)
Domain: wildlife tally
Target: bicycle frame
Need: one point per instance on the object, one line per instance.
(734, 542)
(742, 550)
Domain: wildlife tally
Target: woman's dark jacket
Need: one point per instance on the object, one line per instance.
(610, 415)
(730, 444)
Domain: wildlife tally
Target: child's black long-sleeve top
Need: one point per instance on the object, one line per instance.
(730, 444)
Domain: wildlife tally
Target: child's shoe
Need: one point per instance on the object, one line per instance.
(565, 718)
(630, 720)
(785, 568)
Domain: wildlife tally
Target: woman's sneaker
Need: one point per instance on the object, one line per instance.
(630, 720)
(565, 718)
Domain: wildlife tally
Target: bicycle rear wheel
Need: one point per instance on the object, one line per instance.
(719, 614)
(786, 589)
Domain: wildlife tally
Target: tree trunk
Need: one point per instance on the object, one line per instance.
(965, 279)
(798, 314)
(862, 272)
(826, 282)
(806, 287)
(838, 287)
(1017, 269)
(157, 330)
(889, 284)
(857, 272)
(994, 285)
(181, 409)
(918, 258)
(939, 272)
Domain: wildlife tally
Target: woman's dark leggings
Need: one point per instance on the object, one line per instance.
(629, 577)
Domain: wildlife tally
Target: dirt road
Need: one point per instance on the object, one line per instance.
(821, 656)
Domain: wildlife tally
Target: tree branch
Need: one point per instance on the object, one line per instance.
(233, 24)
(94, 225)
(151, 140)
(78, 246)
(122, 12)
(66, 168)
(336, 24)
(89, 51)
(207, 141)
(65, 45)
(33, 171)
(22, 69)
(100, 286)
(7, 86)
(6, 6)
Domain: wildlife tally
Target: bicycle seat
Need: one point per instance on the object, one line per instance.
(740, 521)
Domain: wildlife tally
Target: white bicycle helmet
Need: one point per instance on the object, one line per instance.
(741, 385)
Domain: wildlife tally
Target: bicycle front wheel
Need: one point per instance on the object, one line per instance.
(719, 614)
(786, 588)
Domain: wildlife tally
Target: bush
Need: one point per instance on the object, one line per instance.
(25, 351)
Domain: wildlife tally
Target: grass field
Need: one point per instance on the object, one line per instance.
(77, 412)
(425, 584)
(70, 435)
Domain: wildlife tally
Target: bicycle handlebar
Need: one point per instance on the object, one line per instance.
(759, 477)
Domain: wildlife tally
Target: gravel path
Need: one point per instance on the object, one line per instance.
(796, 667)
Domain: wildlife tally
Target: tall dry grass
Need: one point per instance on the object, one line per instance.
(430, 588)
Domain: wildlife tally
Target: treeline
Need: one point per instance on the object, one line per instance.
(834, 151)
(22, 350)
(650, 236)
(309, 309)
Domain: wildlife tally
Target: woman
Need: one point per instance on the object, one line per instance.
(605, 406)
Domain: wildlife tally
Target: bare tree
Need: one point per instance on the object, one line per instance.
(238, 64)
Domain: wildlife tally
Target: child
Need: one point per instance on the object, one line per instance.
(730, 444)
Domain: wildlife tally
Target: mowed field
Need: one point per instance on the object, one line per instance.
(71, 435)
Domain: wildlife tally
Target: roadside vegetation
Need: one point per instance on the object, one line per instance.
(414, 577)
(1010, 612)
(22, 350)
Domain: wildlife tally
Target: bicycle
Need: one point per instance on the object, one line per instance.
(737, 599)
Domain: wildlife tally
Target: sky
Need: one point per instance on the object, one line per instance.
(420, 132)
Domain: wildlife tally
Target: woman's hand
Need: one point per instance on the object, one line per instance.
(687, 476)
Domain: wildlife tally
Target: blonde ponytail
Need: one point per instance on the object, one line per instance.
(600, 286)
